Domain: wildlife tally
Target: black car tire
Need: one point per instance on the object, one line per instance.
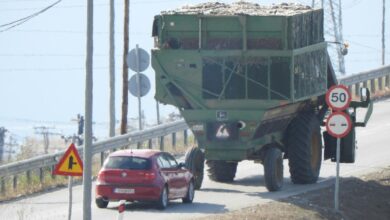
(190, 193)
(162, 202)
(101, 203)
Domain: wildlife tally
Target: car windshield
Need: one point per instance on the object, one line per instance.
(129, 163)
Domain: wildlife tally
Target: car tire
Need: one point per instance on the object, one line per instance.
(190, 193)
(162, 202)
(101, 203)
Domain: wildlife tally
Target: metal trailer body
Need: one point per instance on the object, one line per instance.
(240, 80)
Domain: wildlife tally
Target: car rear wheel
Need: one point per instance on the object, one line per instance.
(162, 202)
(190, 193)
(101, 203)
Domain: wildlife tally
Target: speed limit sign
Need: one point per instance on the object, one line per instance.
(338, 97)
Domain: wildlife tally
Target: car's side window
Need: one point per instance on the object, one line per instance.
(159, 162)
(163, 162)
(171, 160)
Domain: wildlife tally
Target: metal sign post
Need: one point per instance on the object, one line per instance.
(70, 185)
(338, 125)
(138, 60)
(138, 88)
(70, 165)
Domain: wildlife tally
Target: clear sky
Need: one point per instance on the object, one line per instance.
(42, 62)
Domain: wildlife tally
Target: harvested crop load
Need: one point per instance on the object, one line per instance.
(241, 7)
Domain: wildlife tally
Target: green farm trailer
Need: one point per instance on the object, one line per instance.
(251, 86)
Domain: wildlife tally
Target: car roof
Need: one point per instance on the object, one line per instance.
(145, 153)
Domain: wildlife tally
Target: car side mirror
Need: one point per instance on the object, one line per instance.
(181, 165)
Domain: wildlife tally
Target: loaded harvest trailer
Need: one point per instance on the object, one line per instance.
(250, 82)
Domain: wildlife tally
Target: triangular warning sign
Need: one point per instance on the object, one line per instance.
(70, 164)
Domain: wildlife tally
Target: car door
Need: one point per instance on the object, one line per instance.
(169, 174)
(179, 177)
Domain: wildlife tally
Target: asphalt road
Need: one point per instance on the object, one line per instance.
(248, 188)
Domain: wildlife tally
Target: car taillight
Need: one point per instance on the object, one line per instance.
(100, 179)
(149, 175)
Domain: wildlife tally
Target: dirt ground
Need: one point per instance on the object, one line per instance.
(366, 197)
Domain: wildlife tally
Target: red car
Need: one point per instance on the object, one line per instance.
(143, 175)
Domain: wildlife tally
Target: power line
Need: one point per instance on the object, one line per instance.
(20, 21)
(98, 5)
(48, 69)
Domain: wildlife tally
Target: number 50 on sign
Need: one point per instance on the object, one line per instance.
(338, 97)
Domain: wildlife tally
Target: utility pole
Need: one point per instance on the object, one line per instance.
(11, 144)
(45, 132)
(125, 70)
(383, 30)
(87, 172)
(112, 69)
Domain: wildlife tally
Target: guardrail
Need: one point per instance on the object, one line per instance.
(50, 160)
(378, 79)
(374, 78)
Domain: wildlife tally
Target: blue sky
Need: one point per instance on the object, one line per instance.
(42, 62)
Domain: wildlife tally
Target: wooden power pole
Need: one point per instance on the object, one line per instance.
(125, 70)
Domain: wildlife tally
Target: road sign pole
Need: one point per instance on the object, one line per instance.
(70, 185)
(336, 191)
(138, 89)
(87, 174)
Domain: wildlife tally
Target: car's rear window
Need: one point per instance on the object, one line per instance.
(129, 163)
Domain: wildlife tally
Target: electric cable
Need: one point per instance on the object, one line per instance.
(20, 21)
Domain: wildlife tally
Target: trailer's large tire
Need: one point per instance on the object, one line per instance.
(221, 171)
(194, 161)
(304, 148)
(273, 169)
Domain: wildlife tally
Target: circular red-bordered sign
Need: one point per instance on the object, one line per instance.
(339, 124)
(338, 97)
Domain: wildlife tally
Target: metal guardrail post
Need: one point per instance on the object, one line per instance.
(51, 172)
(357, 89)
(373, 87)
(185, 137)
(162, 143)
(15, 182)
(150, 144)
(2, 187)
(41, 174)
(380, 83)
(101, 158)
(28, 174)
(174, 140)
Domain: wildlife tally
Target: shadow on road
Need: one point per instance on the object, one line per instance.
(173, 207)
